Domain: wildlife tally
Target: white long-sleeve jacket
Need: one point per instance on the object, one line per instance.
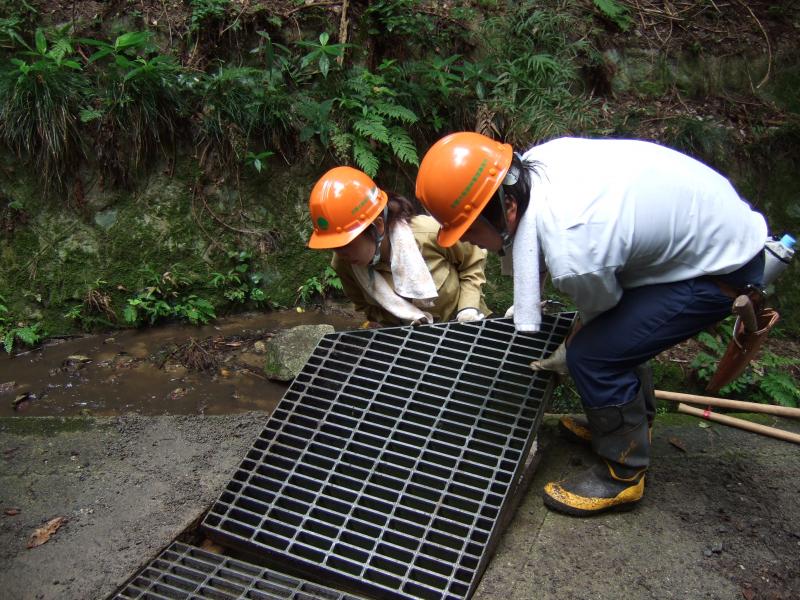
(617, 214)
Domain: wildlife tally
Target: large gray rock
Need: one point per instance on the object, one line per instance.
(288, 350)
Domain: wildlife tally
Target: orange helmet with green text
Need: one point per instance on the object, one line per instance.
(343, 203)
(457, 177)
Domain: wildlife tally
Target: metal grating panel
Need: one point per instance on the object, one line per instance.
(184, 572)
(390, 458)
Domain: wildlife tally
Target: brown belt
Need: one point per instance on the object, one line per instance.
(756, 296)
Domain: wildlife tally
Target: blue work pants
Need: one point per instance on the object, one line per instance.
(647, 320)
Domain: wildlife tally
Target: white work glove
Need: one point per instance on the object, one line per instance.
(556, 362)
(469, 314)
(509, 312)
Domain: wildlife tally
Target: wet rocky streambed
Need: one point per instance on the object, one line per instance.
(174, 369)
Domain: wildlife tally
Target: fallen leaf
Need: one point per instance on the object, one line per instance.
(704, 424)
(748, 593)
(44, 533)
(11, 512)
(677, 443)
(21, 399)
(79, 358)
(178, 393)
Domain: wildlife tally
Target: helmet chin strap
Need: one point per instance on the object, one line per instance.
(505, 236)
(379, 237)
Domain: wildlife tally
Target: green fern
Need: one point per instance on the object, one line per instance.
(396, 111)
(615, 12)
(403, 146)
(542, 64)
(780, 387)
(372, 127)
(365, 158)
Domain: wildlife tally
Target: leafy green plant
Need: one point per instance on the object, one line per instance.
(12, 330)
(164, 298)
(321, 52)
(373, 122)
(10, 35)
(139, 104)
(194, 309)
(257, 160)
(41, 93)
(95, 309)
(205, 11)
(240, 284)
(238, 108)
(535, 53)
(766, 380)
(323, 285)
(615, 12)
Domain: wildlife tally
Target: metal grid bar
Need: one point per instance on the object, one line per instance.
(390, 458)
(183, 572)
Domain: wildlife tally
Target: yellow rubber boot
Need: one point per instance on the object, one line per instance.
(621, 438)
(576, 427)
(594, 491)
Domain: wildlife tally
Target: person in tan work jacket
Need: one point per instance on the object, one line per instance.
(387, 256)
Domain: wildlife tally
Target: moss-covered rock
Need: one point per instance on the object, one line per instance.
(288, 351)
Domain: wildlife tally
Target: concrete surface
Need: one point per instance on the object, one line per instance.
(720, 520)
(721, 517)
(127, 486)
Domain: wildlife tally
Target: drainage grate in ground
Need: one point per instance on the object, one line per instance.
(389, 460)
(184, 572)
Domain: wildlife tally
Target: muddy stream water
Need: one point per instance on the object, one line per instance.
(175, 369)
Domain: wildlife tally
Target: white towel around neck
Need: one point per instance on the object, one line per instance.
(527, 295)
(414, 285)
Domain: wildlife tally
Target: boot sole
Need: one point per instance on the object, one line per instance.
(566, 502)
(579, 512)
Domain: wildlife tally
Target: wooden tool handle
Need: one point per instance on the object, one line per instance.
(743, 307)
(770, 409)
(741, 424)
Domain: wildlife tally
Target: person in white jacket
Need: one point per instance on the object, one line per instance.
(649, 243)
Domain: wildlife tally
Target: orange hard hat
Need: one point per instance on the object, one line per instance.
(457, 177)
(343, 203)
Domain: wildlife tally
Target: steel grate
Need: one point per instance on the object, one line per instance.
(185, 572)
(390, 458)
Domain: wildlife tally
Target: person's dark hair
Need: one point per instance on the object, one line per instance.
(519, 191)
(400, 209)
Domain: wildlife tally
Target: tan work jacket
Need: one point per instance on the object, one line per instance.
(458, 273)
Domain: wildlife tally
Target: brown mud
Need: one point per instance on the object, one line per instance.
(175, 369)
